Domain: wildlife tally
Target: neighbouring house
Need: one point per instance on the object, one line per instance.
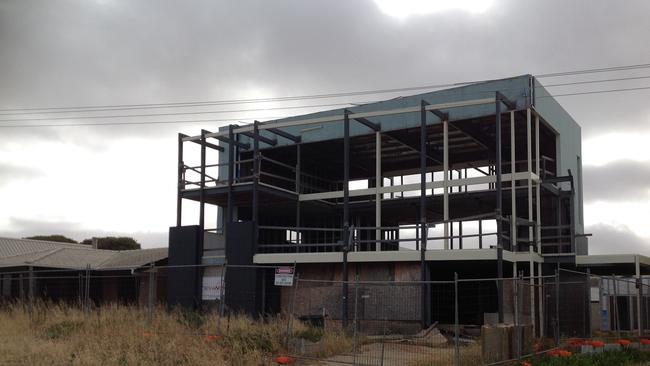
(67, 272)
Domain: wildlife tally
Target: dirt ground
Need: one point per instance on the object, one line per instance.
(400, 354)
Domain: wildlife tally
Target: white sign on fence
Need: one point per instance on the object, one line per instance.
(284, 276)
(212, 284)
(212, 288)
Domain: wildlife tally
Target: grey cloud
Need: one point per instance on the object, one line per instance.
(9, 172)
(111, 52)
(22, 227)
(608, 239)
(625, 180)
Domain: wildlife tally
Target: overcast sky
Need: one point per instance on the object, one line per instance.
(100, 180)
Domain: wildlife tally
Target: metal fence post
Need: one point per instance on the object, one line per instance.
(291, 309)
(152, 293)
(518, 314)
(355, 322)
(222, 297)
(588, 303)
(616, 318)
(557, 307)
(456, 323)
(30, 294)
(87, 290)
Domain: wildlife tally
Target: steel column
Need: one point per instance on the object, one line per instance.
(346, 216)
(639, 293)
(179, 199)
(231, 173)
(513, 184)
(298, 238)
(499, 209)
(256, 179)
(202, 190)
(445, 170)
(423, 210)
(529, 169)
(378, 196)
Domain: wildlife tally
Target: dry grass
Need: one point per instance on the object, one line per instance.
(120, 335)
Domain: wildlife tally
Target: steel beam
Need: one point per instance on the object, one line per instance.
(284, 134)
(234, 142)
(212, 146)
(475, 134)
(501, 98)
(373, 126)
(264, 139)
(330, 119)
(444, 116)
(435, 158)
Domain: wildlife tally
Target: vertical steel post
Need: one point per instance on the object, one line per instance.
(256, 170)
(181, 184)
(231, 173)
(291, 310)
(456, 323)
(588, 303)
(513, 184)
(557, 306)
(346, 216)
(445, 170)
(202, 191)
(256, 179)
(423, 212)
(356, 318)
(378, 196)
(499, 208)
(222, 310)
(529, 181)
(298, 233)
(637, 268)
(616, 317)
(480, 234)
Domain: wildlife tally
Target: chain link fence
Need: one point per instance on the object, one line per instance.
(452, 322)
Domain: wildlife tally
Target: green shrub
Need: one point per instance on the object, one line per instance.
(311, 334)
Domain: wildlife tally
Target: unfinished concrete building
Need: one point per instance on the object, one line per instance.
(482, 180)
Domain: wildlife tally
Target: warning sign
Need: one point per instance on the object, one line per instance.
(284, 276)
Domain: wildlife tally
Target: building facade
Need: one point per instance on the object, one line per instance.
(482, 181)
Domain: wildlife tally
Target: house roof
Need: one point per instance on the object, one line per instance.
(39, 253)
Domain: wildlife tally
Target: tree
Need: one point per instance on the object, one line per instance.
(56, 237)
(114, 243)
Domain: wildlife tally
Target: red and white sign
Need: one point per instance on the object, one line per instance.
(284, 276)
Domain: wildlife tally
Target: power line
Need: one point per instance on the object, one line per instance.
(281, 108)
(138, 123)
(177, 114)
(98, 108)
(271, 118)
